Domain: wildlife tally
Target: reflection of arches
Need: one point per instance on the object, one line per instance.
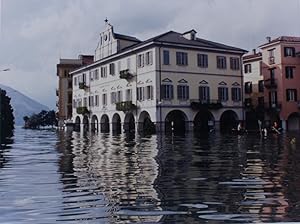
(293, 122)
(145, 125)
(228, 120)
(104, 123)
(94, 123)
(85, 122)
(204, 121)
(77, 124)
(176, 121)
(129, 123)
(116, 124)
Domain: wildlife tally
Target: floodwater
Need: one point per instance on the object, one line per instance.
(59, 177)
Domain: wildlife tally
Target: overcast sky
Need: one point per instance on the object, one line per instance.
(34, 34)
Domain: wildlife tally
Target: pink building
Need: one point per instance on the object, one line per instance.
(281, 75)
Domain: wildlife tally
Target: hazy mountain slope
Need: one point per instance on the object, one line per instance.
(22, 105)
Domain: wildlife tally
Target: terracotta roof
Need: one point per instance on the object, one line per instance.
(250, 56)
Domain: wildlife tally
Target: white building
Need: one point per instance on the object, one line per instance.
(175, 80)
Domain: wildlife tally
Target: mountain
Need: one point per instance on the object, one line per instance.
(22, 105)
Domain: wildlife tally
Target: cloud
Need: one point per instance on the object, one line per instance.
(35, 34)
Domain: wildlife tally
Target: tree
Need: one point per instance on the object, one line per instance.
(42, 119)
(7, 119)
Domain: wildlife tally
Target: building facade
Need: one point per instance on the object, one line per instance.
(64, 91)
(275, 70)
(171, 82)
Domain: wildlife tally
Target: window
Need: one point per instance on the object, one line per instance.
(166, 57)
(223, 93)
(149, 58)
(91, 101)
(75, 81)
(91, 75)
(119, 96)
(70, 84)
(271, 56)
(236, 94)
(289, 51)
(183, 92)
(291, 95)
(248, 87)
(221, 62)
(167, 91)
(202, 60)
(289, 72)
(181, 58)
(96, 74)
(149, 92)
(140, 93)
(204, 93)
(103, 72)
(247, 68)
(104, 99)
(128, 94)
(113, 97)
(84, 102)
(112, 68)
(261, 86)
(96, 100)
(83, 77)
(234, 63)
(140, 60)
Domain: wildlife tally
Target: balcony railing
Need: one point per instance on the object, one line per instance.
(206, 104)
(125, 74)
(125, 106)
(270, 83)
(82, 85)
(82, 110)
(271, 60)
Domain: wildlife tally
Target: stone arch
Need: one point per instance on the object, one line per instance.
(145, 125)
(204, 121)
(116, 124)
(104, 122)
(77, 124)
(94, 124)
(228, 120)
(85, 122)
(293, 122)
(176, 121)
(129, 123)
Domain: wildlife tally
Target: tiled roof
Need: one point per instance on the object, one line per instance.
(125, 37)
(283, 39)
(251, 56)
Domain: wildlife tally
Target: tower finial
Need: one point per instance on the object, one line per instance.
(106, 20)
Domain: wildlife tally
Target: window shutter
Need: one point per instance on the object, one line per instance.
(172, 94)
(219, 93)
(295, 95)
(232, 94)
(285, 51)
(188, 92)
(178, 92)
(287, 95)
(293, 52)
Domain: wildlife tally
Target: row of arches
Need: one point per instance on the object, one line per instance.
(103, 125)
(175, 121)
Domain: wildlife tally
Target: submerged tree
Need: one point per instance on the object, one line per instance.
(42, 119)
(6, 117)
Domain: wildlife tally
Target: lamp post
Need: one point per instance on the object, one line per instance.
(2, 70)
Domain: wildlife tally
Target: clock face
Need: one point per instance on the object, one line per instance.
(105, 37)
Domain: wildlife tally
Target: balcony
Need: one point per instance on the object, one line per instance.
(125, 106)
(82, 85)
(206, 104)
(125, 74)
(271, 60)
(82, 110)
(270, 83)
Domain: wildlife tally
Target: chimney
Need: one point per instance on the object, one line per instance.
(268, 39)
(254, 51)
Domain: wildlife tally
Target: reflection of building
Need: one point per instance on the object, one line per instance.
(64, 91)
(279, 63)
(175, 80)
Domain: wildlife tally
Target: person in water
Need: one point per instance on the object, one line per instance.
(275, 127)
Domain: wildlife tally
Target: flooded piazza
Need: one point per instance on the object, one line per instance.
(70, 177)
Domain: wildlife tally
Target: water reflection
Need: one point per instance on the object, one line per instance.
(73, 177)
